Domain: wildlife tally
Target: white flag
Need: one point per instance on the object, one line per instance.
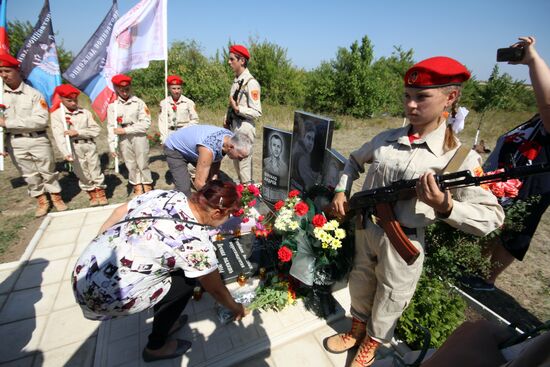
(138, 37)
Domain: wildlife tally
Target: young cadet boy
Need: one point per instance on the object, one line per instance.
(176, 111)
(244, 105)
(82, 152)
(25, 117)
(129, 118)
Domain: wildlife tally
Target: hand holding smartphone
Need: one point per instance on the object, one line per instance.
(513, 54)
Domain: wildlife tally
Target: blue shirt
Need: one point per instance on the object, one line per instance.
(186, 141)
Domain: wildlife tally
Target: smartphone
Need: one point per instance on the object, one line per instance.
(510, 54)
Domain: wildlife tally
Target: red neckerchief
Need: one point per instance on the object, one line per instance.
(412, 137)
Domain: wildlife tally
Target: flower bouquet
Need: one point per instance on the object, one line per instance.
(249, 196)
(311, 248)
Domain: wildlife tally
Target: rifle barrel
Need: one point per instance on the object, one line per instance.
(404, 189)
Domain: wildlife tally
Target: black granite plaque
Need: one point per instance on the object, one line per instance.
(233, 255)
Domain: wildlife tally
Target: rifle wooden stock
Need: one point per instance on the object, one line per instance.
(399, 240)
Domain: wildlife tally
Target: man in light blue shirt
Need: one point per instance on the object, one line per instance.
(204, 146)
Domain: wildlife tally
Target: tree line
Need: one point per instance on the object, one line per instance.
(353, 83)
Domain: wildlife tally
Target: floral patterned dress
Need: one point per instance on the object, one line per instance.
(127, 268)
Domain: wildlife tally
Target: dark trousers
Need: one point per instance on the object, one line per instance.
(169, 309)
(177, 165)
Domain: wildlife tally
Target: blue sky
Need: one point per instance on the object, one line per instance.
(312, 31)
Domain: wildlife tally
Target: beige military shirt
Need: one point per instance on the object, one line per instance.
(180, 114)
(392, 157)
(80, 120)
(26, 109)
(250, 107)
(132, 115)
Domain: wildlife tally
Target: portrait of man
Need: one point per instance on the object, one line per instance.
(312, 134)
(274, 163)
(275, 171)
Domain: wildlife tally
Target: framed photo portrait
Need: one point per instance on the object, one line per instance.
(276, 163)
(312, 134)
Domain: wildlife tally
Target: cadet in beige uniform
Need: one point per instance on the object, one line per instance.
(244, 105)
(179, 109)
(25, 118)
(381, 284)
(130, 125)
(82, 152)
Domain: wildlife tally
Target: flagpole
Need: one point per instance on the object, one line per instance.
(165, 30)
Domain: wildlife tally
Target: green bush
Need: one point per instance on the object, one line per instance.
(207, 80)
(355, 84)
(434, 306)
(451, 253)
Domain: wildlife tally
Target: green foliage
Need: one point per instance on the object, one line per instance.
(503, 93)
(451, 253)
(357, 85)
(206, 80)
(275, 294)
(281, 82)
(515, 211)
(435, 307)
(18, 31)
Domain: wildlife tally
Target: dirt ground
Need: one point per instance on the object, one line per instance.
(523, 293)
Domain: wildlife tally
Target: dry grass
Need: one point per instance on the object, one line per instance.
(527, 282)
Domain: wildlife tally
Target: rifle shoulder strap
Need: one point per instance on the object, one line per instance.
(458, 158)
(244, 86)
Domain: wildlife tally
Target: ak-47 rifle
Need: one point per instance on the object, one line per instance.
(378, 202)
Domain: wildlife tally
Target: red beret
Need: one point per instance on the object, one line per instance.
(435, 72)
(67, 91)
(174, 80)
(240, 50)
(121, 80)
(7, 60)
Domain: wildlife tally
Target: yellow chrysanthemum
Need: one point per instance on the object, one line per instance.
(339, 233)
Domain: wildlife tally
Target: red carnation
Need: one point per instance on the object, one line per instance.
(319, 220)
(119, 119)
(179, 227)
(238, 213)
(284, 254)
(293, 193)
(171, 261)
(253, 189)
(301, 209)
(261, 218)
(239, 189)
(279, 204)
(251, 203)
(174, 108)
(245, 220)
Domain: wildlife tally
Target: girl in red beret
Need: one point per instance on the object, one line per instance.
(382, 283)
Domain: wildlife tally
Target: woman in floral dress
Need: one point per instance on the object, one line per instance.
(145, 256)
